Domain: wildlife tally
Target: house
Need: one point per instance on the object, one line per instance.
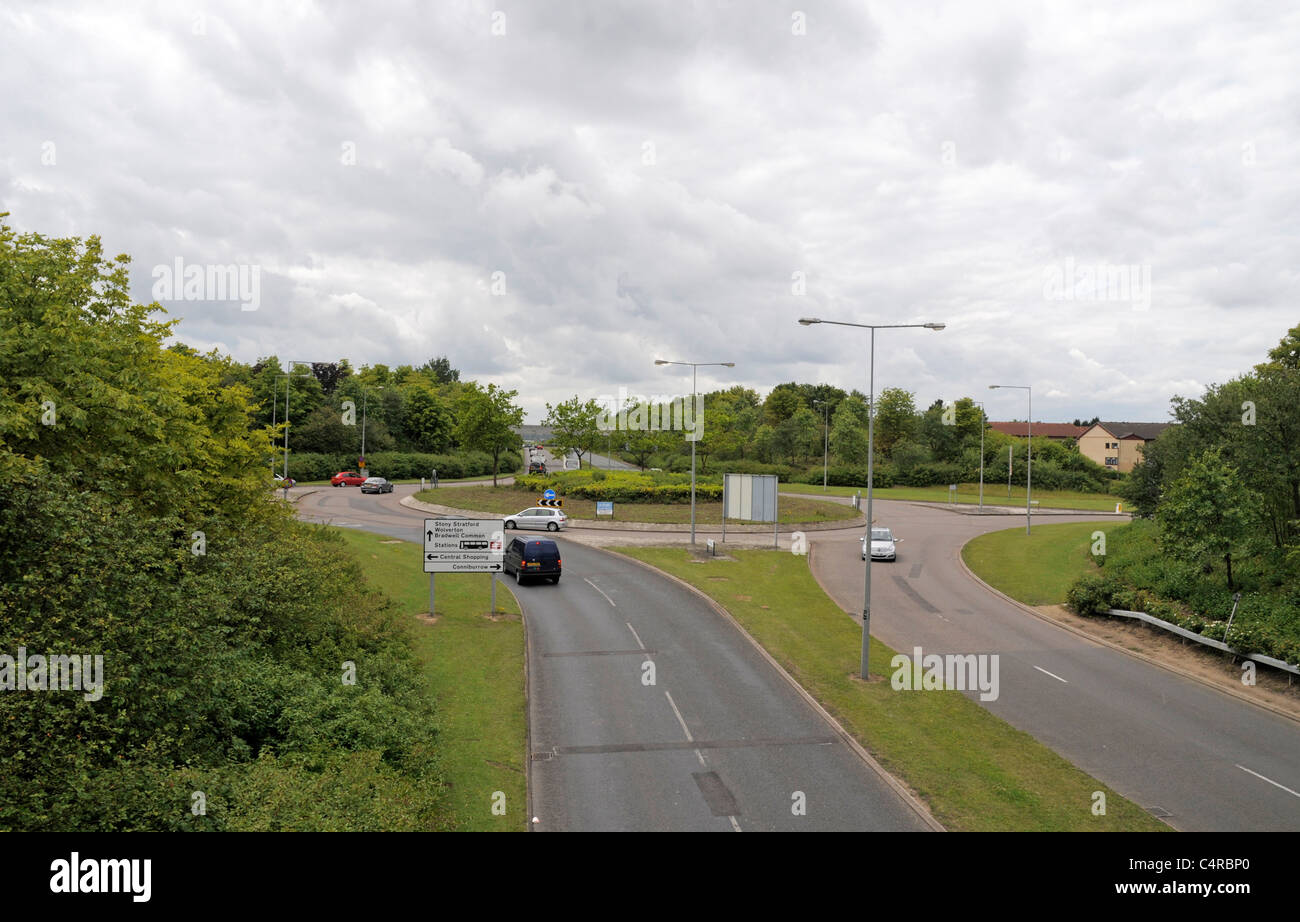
(1118, 445)
(1058, 432)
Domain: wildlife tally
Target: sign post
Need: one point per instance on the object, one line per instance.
(463, 546)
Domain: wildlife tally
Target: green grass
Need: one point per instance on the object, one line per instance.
(508, 500)
(974, 770)
(475, 666)
(968, 493)
(1036, 569)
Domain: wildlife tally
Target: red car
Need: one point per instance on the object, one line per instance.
(347, 478)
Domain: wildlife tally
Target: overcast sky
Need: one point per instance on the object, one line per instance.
(555, 194)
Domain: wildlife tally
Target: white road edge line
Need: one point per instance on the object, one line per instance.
(690, 739)
(598, 589)
(1269, 780)
(1052, 674)
(635, 634)
(673, 705)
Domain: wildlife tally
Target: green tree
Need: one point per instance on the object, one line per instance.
(439, 370)
(849, 431)
(1208, 513)
(895, 419)
(574, 425)
(782, 403)
(427, 422)
(487, 419)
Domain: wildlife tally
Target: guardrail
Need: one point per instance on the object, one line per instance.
(1202, 639)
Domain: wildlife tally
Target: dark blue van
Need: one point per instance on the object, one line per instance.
(532, 557)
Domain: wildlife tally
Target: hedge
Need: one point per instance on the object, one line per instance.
(397, 465)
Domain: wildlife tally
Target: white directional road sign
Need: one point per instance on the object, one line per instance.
(463, 545)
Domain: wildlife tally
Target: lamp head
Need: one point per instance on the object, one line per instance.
(661, 361)
(935, 326)
(808, 321)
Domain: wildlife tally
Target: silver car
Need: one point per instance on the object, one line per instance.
(539, 517)
(377, 485)
(883, 544)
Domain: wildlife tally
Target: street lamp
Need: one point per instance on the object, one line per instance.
(365, 396)
(983, 424)
(290, 374)
(1029, 444)
(871, 450)
(694, 410)
(286, 416)
(826, 447)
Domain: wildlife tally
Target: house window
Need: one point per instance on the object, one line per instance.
(1112, 462)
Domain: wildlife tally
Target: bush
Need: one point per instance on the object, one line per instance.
(1091, 594)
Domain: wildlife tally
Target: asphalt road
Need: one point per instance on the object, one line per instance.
(1200, 758)
(719, 741)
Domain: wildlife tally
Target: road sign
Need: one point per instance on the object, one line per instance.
(463, 545)
(549, 494)
(604, 508)
(551, 503)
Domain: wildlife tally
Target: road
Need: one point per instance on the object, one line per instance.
(719, 741)
(1200, 758)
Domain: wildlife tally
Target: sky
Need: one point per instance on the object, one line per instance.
(1099, 201)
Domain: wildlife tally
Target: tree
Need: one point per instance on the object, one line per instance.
(849, 431)
(1208, 513)
(895, 419)
(331, 374)
(439, 370)
(488, 420)
(426, 420)
(782, 403)
(574, 425)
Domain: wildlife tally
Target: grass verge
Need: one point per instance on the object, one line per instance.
(974, 770)
(508, 501)
(968, 493)
(475, 666)
(1035, 569)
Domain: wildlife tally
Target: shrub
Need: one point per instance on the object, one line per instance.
(1091, 594)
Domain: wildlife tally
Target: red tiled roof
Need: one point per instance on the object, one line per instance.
(1046, 430)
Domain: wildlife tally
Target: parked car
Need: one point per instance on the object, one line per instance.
(550, 519)
(347, 479)
(883, 544)
(537, 467)
(377, 485)
(529, 557)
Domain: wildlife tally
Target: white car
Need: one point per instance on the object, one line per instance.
(538, 517)
(883, 544)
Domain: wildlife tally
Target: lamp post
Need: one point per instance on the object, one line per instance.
(365, 397)
(1029, 445)
(983, 424)
(871, 450)
(826, 446)
(290, 374)
(286, 416)
(694, 412)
